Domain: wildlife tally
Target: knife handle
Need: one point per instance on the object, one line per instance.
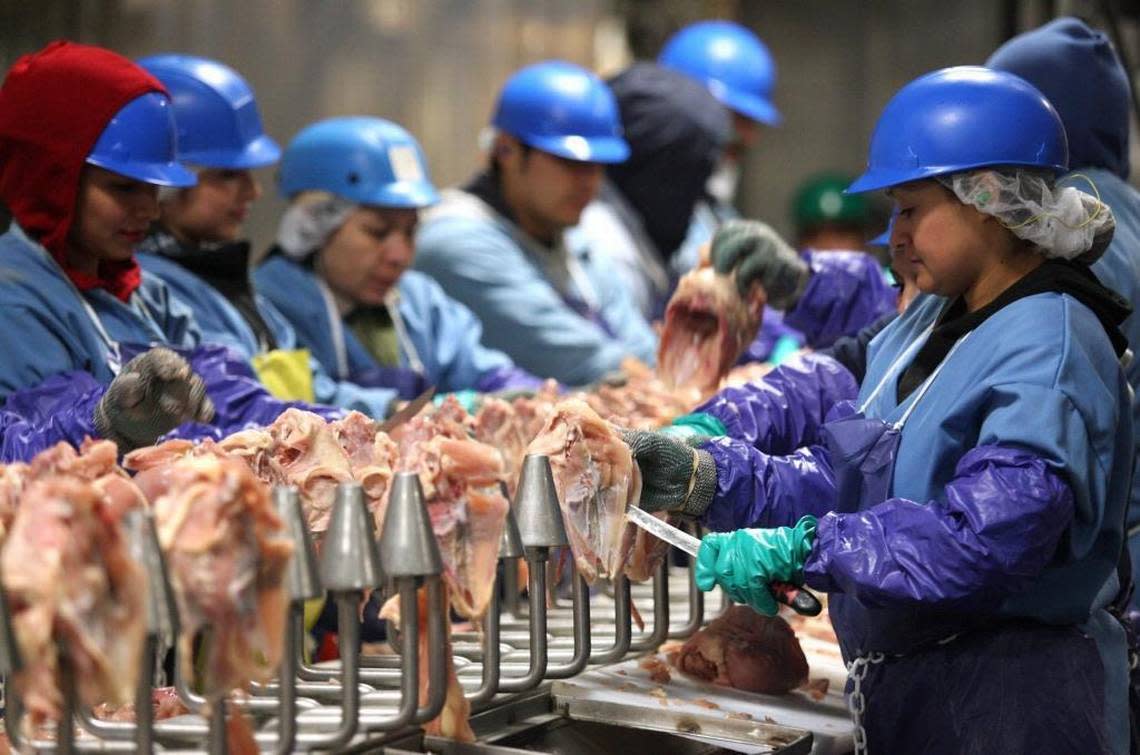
(800, 600)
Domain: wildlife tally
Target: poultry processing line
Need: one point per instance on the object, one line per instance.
(362, 701)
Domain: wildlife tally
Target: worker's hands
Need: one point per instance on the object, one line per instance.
(745, 562)
(155, 392)
(674, 475)
(759, 255)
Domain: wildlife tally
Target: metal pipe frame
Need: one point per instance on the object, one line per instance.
(492, 657)
(582, 640)
(622, 632)
(536, 559)
(437, 641)
(696, 608)
(660, 611)
(349, 629)
(287, 710)
(218, 744)
(141, 732)
(410, 671)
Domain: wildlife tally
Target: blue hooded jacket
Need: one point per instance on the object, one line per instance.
(1077, 68)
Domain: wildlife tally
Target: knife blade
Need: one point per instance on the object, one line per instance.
(800, 600)
(407, 411)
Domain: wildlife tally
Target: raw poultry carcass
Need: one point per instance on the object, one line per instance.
(371, 455)
(708, 324)
(308, 456)
(498, 424)
(70, 581)
(461, 481)
(745, 650)
(596, 480)
(227, 553)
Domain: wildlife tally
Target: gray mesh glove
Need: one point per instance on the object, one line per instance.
(155, 392)
(758, 254)
(674, 475)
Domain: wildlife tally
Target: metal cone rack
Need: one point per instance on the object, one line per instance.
(363, 700)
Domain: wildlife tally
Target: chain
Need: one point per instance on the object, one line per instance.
(856, 702)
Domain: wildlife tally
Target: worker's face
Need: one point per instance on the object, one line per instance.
(215, 209)
(904, 271)
(745, 133)
(947, 243)
(546, 192)
(365, 257)
(113, 214)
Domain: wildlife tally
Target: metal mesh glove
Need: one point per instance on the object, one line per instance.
(155, 392)
(674, 475)
(745, 562)
(758, 254)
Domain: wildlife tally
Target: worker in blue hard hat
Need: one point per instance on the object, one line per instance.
(1077, 68)
(340, 275)
(966, 514)
(197, 248)
(738, 70)
(87, 138)
(504, 244)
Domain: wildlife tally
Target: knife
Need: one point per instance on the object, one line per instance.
(407, 411)
(800, 600)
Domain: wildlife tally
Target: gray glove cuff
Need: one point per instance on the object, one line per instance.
(704, 486)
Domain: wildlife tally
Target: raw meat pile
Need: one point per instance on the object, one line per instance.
(226, 551)
(745, 650)
(644, 402)
(69, 576)
(299, 449)
(708, 324)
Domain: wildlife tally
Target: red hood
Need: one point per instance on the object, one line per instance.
(54, 105)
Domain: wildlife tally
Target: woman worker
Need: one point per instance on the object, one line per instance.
(967, 520)
(86, 139)
(196, 247)
(339, 272)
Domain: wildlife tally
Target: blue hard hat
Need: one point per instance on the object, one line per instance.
(140, 142)
(731, 61)
(962, 118)
(216, 113)
(563, 109)
(369, 161)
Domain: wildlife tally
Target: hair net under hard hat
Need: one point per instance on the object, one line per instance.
(1061, 221)
(311, 219)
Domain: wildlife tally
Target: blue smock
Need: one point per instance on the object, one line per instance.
(222, 323)
(439, 337)
(1006, 499)
(561, 313)
(52, 328)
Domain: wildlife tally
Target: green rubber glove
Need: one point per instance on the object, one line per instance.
(745, 562)
(697, 423)
(468, 399)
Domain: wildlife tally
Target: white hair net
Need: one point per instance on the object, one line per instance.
(309, 222)
(1061, 221)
